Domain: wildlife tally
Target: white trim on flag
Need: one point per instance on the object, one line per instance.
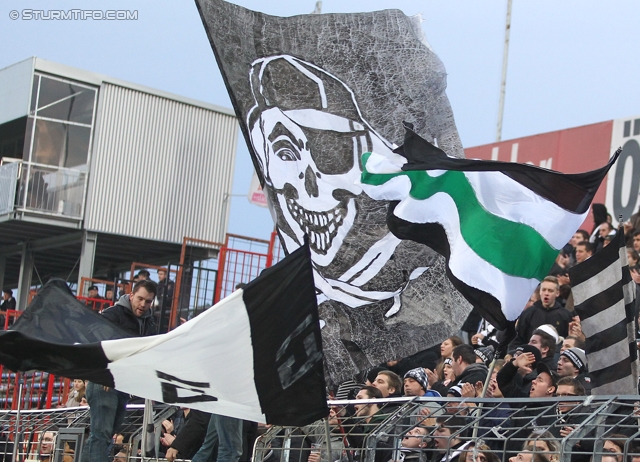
(220, 335)
(504, 197)
(499, 194)
(512, 292)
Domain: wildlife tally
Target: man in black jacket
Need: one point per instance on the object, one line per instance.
(188, 440)
(545, 311)
(107, 406)
(465, 367)
(515, 377)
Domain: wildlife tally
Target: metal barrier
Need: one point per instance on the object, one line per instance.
(439, 429)
(29, 433)
(32, 390)
(8, 184)
(53, 190)
(241, 260)
(96, 304)
(401, 429)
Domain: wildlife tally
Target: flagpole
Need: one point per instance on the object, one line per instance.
(503, 81)
(484, 393)
(16, 443)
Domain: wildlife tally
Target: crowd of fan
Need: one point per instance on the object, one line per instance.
(545, 360)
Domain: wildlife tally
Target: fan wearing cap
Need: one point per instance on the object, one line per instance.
(573, 363)
(416, 383)
(515, 377)
(485, 355)
(547, 310)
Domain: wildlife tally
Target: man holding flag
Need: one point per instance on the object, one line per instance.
(107, 406)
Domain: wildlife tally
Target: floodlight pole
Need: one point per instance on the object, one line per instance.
(503, 81)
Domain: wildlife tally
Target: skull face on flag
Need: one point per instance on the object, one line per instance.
(309, 136)
(313, 93)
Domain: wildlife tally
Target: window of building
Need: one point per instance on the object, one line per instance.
(57, 146)
(60, 122)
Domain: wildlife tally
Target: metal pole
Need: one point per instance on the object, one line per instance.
(503, 81)
(484, 393)
(16, 441)
(147, 426)
(327, 432)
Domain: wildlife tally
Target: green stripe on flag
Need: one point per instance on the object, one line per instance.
(514, 248)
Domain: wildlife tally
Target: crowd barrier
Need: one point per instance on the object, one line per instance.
(23, 433)
(428, 429)
(417, 430)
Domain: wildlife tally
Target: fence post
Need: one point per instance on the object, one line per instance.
(272, 243)
(220, 276)
(51, 380)
(16, 440)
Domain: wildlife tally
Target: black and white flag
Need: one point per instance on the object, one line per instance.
(312, 93)
(604, 296)
(256, 355)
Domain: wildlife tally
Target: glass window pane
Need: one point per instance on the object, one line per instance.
(49, 142)
(77, 146)
(27, 139)
(60, 144)
(65, 101)
(34, 92)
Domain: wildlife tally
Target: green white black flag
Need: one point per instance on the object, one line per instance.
(499, 224)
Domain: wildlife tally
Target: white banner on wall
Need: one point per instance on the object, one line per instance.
(256, 194)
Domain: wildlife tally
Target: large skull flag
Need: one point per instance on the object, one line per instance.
(313, 93)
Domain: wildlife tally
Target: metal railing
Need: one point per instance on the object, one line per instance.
(435, 429)
(401, 429)
(8, 184)
(51, 190)
(22, 433)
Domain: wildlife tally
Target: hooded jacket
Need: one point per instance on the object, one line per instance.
(473, 373)
(122, 315)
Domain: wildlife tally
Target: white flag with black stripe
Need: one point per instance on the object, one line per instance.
(256, 355)
(604, 297)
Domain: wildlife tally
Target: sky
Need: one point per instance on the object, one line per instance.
(571, 63)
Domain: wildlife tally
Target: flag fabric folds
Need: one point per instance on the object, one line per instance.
(604, 296)
(500, 225)
(256, 355)
(312, 93)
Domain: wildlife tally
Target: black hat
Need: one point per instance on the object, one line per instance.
(456, 391)
(530, 349)
(8, 291)
(486, 354)
(419, 375)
